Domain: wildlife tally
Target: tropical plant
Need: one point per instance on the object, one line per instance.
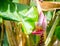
(18, 23)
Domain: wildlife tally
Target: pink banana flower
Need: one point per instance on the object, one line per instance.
(42, 23)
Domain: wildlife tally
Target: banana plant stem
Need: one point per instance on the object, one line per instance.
(52, 31)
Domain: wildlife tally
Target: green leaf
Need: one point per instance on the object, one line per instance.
(11, 13)
(27, 27)
(28, 23)
(6, 14)
(57, 32)
(3, 6)
(9, 16)
(21, 13)
(21, 7)
(16, 1)
(49, 15)
(12, 7)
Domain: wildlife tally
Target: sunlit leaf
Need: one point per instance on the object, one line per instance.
(16, 1)
(29, 21)
(9, 16)
(28, 18)
(11, 12)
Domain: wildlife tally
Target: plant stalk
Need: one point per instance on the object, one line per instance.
(52, 31)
